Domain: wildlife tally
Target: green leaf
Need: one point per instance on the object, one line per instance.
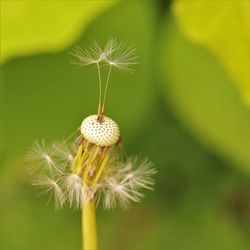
(202, 97)
(224, 28)
(30, 27)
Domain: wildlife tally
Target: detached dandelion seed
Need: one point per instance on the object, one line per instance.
(94, 166)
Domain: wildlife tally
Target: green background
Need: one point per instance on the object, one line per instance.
(181, 108)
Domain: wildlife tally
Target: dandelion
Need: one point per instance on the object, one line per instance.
(93, 167)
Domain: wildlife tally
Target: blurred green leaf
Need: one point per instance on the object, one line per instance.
(30, 27)
(202, 228)
(192, 206)
(224, 28)
(200, 93)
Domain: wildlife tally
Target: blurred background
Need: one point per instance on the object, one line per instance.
(187, 107)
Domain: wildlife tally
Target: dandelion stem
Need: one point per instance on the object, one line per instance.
(89, 225)
(106, 88)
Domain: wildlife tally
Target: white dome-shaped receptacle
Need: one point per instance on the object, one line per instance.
(102, 133)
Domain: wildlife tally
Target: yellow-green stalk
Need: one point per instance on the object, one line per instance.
(89, 234)
(98, 135)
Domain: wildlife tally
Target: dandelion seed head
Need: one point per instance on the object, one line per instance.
(92, 169)
(102, 133)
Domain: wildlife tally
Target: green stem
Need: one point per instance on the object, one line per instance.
(89, 226)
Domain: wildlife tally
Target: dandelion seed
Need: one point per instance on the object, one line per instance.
(63, 154)
(141, 177)
(122, 57)
(84, 56)
(73, 185)
(41, 158)
(51, 186)
(115, 55)
(94, 54)
(124, 182)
